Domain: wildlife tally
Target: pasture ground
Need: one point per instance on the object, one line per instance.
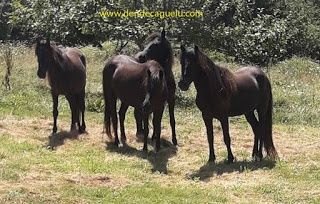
(88, 168)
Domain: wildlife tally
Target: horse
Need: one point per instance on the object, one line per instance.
(140, 85)
(158, 48)
(222, 94)
(65, 69)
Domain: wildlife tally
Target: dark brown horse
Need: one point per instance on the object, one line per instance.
(140, 85)
(158, 48)
(65, 69)
(222, 94)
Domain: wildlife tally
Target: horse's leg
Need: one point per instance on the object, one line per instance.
(71, 100)
(55, 111)
(262, 121)
(138, 117)
(82, 108)
(122, 116)
(157, 117)
(77, 110)
(171, 104)
(146, 131)
(208, 122)
(226, 137)
(153, 125)
(252, 120)
(114, 118)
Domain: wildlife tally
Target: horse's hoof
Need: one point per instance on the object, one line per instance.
(116, 143)
(73, 127)
(211, 160)
(49, 147)
(256, 158)
(123, 138)
(174, 141)
(145, 148)
(230, 160)
(82, 129)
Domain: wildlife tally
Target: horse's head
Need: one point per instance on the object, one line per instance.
(44, 55)
(188, 61)
(155, 87)
(158, 49)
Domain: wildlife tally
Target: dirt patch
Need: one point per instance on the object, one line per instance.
(97, 180)
(186, 163)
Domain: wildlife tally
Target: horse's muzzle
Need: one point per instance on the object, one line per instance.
(183, 85)
(41, 75)
(141, 57)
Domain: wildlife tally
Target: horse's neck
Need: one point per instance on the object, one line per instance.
(167, 68)
(56, 68)
(206, 90)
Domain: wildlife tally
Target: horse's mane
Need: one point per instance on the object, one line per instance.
(219, 77)
(58, 51)
(152, 37)
(169, 61)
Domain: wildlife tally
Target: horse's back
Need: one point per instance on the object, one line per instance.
(126, 78)
(250, 89)
(72, 77)
(250, 71)
(76, 57)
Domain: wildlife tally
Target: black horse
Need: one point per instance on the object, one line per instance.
(158, 48)
(65, 69)
(222, 94)
(140, 85)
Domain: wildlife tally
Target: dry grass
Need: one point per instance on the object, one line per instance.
(171, 167)
(88, 168)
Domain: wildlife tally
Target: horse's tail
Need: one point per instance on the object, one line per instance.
(268, 141)
(107, 93)
(83, 60)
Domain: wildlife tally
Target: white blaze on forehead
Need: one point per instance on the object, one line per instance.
(186, 64)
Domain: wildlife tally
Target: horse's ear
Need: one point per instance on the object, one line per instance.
(183, 49)
(48, 42)
(163, 34)
(38, 40)
(196, 50)
(160, 75)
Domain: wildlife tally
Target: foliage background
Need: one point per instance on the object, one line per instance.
(90, 169)
(251, 31)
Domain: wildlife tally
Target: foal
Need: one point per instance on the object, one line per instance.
(138, 85)
(65, 69)
(158, 48)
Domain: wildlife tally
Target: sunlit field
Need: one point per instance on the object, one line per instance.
(37, 167)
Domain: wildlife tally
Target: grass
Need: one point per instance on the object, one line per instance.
(89, 169)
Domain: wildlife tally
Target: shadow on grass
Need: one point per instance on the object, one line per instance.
(184, 101)
(209, 169)
(58, 139)
(158, 160)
